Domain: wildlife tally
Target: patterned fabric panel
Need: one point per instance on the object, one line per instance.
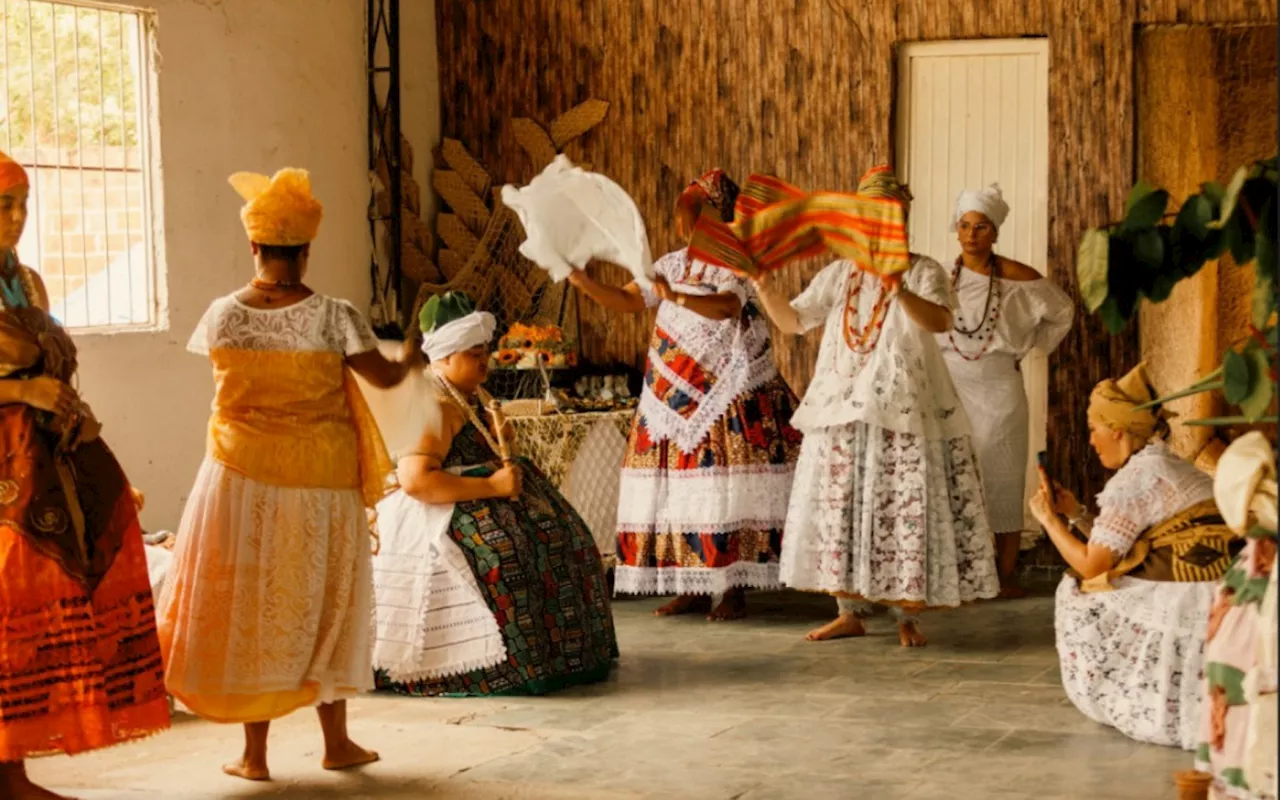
(542, 577)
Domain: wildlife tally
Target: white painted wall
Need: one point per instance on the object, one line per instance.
(243, 85)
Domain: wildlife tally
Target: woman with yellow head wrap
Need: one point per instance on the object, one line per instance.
(887, 481)
(80, 665)
(1130, 617)
(267, 608)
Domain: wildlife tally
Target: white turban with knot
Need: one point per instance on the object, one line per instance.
(461, 334)
(988, 202)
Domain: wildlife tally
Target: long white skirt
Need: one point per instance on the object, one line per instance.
(890, 517)
(1131, 658)
(268, 605)
(994, 397)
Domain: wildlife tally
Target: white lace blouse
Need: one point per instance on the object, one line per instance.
(318, 323)
(1153, 486)
(902, 384)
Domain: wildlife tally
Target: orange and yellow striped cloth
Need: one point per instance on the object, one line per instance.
(776, 223)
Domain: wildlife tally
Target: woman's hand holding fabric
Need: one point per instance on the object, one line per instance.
(50, 394)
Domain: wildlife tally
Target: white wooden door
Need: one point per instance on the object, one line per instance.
(971, 113)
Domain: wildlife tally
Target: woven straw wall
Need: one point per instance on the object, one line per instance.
(803, 89)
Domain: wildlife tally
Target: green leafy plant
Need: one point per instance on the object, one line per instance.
(1151, 250)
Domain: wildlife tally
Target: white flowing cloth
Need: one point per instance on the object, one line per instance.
(432, 620)
(571, 216)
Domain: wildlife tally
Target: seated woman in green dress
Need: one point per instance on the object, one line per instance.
(487, 581)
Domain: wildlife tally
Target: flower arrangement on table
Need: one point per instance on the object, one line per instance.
(531, 347)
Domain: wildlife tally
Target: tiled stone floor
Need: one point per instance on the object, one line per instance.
(698, 710)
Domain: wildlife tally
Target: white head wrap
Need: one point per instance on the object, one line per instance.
(988, 202)
(461, 334)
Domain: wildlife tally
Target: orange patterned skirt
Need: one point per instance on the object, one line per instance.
(80, 665)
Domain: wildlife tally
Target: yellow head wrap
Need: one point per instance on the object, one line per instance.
(1114, 404)
(279, 210)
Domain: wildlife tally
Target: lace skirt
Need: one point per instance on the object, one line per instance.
(709, 520)
(268, 606)
(1131, 657)
(889, 517)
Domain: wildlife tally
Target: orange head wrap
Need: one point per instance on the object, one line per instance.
(279, 210)
(12, 174)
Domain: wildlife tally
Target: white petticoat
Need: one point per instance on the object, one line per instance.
(1131, 658)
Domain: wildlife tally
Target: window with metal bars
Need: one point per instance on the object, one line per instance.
(78, 83)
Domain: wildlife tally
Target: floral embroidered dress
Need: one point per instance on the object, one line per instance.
(709, 464)
(1237, 737)
(269, 605)
(1012, 318)
(1131, 657)
(887, 504)
(489, 597)
(80, 666)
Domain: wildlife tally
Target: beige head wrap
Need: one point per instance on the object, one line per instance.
(1114, 404)
(280, 210)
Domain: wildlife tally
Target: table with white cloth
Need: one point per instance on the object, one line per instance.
(581, 453)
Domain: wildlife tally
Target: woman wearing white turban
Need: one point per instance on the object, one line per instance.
(1006, 308)
(487, 581)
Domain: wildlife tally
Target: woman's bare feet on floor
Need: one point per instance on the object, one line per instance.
(684, 604)
(844, 626)
(15, 785)
(732, 606)
(247, 770)
(348, 755)
(909, 634)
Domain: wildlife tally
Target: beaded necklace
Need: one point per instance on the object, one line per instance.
(467, 408)
(990, 310)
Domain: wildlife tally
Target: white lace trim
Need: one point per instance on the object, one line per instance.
(694, 580)
(1152, 487)
(724, 499)
(736, 352)
(318, 323)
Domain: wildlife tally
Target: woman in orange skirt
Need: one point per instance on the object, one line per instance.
(80, 665)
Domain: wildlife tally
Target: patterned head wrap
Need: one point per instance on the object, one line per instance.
(988, 202)
(1114, 404)
(12, 174)
(280, 210)
(881, 182)
(714, 189)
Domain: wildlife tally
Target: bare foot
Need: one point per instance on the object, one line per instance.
(348, 755)
(684, 604)
(732, 606)
(250, 772)
(909, 634)
(845, 626)
(1011, 591)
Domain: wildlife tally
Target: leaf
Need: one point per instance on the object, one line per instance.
(1194, 216)
(1148, 249)
(1264, 299)
(1145, 208)
(1236, 379)
(1213, 192)
(1140, 190)
(1227, 206)
(1111, 316)
(1262, 391)
(1092, 267)
(1240, 239)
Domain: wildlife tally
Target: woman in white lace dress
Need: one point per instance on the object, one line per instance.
(709, 462)
(1131, 619)
(1005, 309)
(269, 604)
(887, 505)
